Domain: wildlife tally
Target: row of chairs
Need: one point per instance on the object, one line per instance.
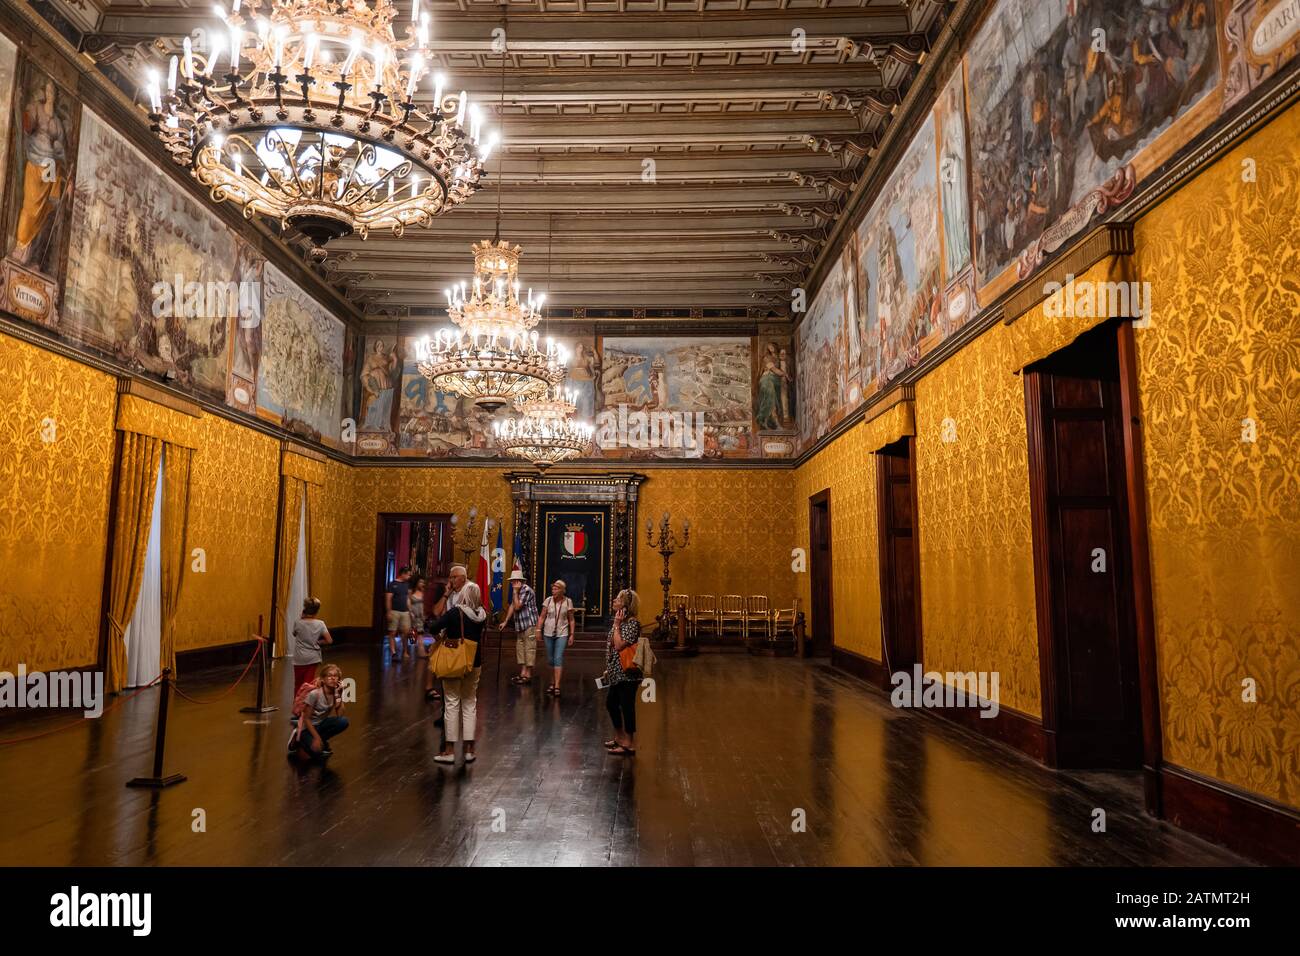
(736, 614)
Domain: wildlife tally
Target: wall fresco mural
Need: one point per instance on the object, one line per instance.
(300, 381)
(154, 279)
(676, 398)
(1079, 89)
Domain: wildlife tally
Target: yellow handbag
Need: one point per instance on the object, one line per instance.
(450, 662)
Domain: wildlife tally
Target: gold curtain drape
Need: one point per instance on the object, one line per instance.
(291, 495)
(136, 477)
(897, 421)
(177, 464)
(313, 524)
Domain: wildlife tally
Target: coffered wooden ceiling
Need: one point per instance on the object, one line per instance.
(758, 116)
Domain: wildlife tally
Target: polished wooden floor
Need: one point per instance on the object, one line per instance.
(731, 749)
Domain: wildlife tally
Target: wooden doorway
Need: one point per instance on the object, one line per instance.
(900, 558)
(422, 541)
(1083, 567)
(819, 542)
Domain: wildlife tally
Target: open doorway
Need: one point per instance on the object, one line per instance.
(1087, 632)
(421, 541)
(900, 560)
(819, 542)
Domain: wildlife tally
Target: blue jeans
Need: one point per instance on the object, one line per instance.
(327, 728)
(555, 650)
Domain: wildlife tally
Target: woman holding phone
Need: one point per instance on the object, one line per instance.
(620, 698)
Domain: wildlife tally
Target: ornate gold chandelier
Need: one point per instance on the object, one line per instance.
(313, 123)
(546, 433)
(493, 355)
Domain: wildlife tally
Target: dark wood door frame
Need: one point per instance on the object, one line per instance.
(1140, 563)
(884, 510)
(823, 635)
(1133, 551)
(382, 521)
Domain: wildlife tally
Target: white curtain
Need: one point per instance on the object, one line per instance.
(143, 635)
(298, 584)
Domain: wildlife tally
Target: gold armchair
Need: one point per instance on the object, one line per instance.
(731, 615)
(758, 615)
(704, 613)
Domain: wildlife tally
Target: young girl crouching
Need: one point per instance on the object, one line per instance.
(321, 717)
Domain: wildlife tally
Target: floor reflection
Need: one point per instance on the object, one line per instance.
(734, 753)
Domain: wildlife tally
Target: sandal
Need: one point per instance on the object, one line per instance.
(621, 752)
(610, 744)
(445, 758)
(432, 695)
(521, 680)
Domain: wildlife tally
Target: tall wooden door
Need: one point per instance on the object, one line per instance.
(1079, 498)
(819, 566)
(900, 591)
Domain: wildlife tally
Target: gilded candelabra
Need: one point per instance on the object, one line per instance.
(667, 545)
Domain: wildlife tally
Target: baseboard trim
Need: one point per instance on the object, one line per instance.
(1011, 727)
(1245, 822)
(220, 655)
(355, 635)
(864, 668)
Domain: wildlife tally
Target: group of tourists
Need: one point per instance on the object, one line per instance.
(455, 623)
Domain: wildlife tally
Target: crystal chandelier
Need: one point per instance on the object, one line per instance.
(306, 116)
(493, 356)
(546, 433)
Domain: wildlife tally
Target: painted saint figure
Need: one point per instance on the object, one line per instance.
(773, 391)
(378, 381)
(45, 180)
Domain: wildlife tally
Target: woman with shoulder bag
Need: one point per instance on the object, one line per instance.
(623, 675)
(463, 622)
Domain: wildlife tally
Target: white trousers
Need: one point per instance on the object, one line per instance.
(460, 703)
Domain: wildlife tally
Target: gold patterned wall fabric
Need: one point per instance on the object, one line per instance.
(848, 468)
(973, 521)
(235, 481)
(742, 533)
(56, 462)
(1218, 366)
(898, 421)
(143, 417)
(1092, 298)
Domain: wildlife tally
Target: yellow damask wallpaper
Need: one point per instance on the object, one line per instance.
(972, 498)
(1219, 377)
(234, 488)
(742, 532)
(56, 456)
(848, 468)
